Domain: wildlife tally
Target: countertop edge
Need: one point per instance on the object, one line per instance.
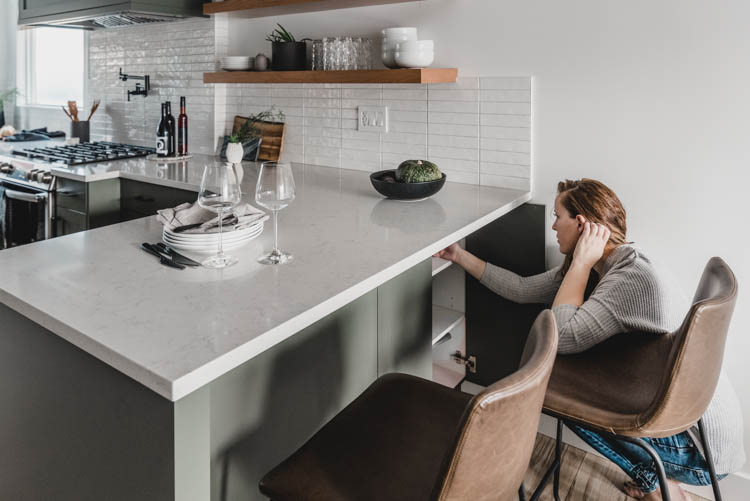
(183, 386)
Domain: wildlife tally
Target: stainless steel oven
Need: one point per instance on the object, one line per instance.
(27, 203)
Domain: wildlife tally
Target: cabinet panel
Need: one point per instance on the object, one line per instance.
(33, 8)
(69, 221)
(71, 194)
(146, 199)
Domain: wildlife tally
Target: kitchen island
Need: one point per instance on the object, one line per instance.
(125, 379)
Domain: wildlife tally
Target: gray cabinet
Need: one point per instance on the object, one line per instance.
(35, 8)
(83, 206)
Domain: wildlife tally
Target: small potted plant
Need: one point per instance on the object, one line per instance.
(6, 97)
(287, 53)
(245, 142)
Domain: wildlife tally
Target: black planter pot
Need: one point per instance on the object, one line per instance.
(2, 116)
(288, 56)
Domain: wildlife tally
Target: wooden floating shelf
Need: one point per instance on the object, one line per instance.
(416, 76)
(265, 8)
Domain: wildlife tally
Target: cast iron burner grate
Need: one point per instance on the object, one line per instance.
(85, 153)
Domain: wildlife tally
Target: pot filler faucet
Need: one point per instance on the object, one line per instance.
(139, 91)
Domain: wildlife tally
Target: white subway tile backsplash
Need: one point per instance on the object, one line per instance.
(506, 157)
(478, 130)
(506, 96)
(505, 108)
(508, 83)
(516, 183)
(505, 132)
(500, 169)
(454, 107)
(454, 130)
(453, 95)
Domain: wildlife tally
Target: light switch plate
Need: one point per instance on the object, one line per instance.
(373, 118)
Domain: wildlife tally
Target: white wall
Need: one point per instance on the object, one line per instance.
(8, 17)
(653, 98)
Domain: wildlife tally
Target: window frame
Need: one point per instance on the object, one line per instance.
(25, 77)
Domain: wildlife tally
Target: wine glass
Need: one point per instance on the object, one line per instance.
(220, 193)
(274, 191)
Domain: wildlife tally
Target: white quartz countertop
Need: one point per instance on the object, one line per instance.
(175, 331)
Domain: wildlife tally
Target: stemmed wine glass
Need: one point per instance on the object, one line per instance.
(220, 193)
(274, 191)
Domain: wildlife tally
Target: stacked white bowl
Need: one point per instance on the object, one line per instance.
(236, 63)
(414, 53)
(391, 38)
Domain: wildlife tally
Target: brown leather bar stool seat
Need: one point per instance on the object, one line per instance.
(644, 385)
(409, 439)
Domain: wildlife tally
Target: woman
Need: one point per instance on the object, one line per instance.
(629, 295)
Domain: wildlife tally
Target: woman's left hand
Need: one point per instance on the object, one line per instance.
(591, 244)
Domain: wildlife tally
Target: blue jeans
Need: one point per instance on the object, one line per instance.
(682, 460)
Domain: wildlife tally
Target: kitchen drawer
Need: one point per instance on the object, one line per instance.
(69, 221)
(146, 199)
(71, 194)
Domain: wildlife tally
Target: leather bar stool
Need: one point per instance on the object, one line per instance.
(409, 439)
(636, 386)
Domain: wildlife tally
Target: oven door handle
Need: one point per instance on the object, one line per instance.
(26, 197)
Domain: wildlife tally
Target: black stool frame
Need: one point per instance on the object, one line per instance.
(556, 465)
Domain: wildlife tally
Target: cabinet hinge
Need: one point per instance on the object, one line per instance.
(470, 361)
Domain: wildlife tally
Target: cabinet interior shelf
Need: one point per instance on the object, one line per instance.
(439, 264)
(447, 376)
(416, 76)
(264, 8)
(443, 320)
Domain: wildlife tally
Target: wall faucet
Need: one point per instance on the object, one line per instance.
(139, 90)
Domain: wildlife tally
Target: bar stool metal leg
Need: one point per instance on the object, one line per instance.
(710, 461)
(554, 468)
(657, 461)
(558, 455)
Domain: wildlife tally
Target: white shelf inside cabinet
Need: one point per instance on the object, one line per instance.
(443, 320)
(446, 376)
(439, 264)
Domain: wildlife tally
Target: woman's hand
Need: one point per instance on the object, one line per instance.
(450, 253)
(591, 243)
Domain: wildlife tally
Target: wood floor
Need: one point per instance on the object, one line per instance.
(583, 476)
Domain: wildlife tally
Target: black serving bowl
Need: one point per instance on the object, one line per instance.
(404, 191)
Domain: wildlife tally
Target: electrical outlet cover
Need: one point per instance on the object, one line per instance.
(373, 118)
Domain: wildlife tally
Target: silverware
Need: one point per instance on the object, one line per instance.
(231, 219)
(176, 256)
(162, 258)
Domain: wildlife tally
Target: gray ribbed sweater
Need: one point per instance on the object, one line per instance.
(630, 296)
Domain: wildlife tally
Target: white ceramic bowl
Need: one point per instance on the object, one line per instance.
(416, 46)
(413, 59)
(390, 44)
(409, 32)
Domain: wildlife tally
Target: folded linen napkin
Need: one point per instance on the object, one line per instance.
(187, 213)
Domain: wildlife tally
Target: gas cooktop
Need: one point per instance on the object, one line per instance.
(85, 153)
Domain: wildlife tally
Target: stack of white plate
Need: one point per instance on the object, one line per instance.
(209, 242)
(235, 63)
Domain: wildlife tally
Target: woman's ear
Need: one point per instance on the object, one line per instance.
(581, 221)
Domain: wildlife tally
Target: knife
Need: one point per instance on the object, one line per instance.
(162, 259)
(176, 256)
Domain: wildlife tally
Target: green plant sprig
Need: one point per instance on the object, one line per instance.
(280, 34)
(249, 130)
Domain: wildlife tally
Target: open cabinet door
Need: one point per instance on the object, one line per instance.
(496, 329)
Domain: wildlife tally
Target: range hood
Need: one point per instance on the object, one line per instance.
(94, 14)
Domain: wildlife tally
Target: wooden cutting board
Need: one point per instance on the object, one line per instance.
(272, 134)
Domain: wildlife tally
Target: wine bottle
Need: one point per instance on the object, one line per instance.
(162, 134)
(182, 130)
(171, 129)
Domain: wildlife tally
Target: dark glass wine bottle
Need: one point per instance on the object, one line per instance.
(182, 130)
(162, 134)
(171, 129)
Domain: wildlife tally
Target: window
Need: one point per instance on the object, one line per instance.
(51, 66)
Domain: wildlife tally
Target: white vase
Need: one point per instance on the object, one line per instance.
(235, 152)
